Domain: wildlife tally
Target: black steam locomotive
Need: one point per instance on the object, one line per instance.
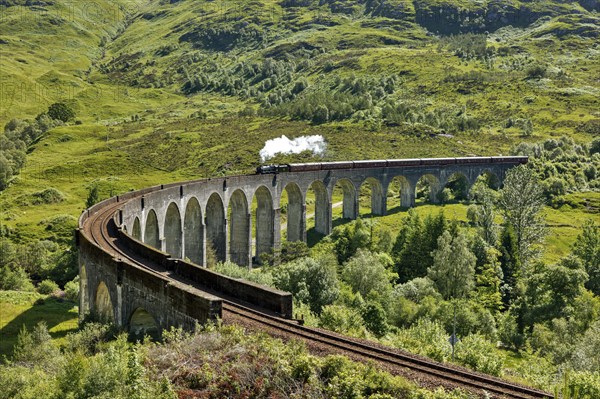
(385, 163)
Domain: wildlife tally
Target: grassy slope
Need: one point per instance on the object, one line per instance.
(80, 53)
(18, 309)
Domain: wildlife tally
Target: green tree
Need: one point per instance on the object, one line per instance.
(453, 269)
(587, 248)
(412, 250)
(348, 239)
(365, 273)
(550, 291)
(375, 318)
(93, 196)
(521, 202)
(510, 264)
(489, 280)
(61, 111)
(6, 172)
(484, 220)
(312, 282)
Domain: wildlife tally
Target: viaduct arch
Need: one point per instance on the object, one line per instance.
(176, 225)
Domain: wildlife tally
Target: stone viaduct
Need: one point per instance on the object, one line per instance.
(171, 226)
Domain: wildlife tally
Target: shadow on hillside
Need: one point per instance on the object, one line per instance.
(51, 310)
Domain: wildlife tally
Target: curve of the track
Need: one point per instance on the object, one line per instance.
(100, 227)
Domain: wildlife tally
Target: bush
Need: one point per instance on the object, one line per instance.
(14, 278)
(342, 319)
(536, 71)
(310, 281)
(48, 196)
(587, 384)
(72, 290)
(426, 338)
(61, 111)
(47, 287)
(479, 354)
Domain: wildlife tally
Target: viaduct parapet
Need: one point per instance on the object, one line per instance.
(169, 228)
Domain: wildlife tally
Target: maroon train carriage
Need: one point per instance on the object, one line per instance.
(304, 167)
(337, 165)
(438, 161)
(510, 159)
(392, 163)
(380, 163)
(473, 160)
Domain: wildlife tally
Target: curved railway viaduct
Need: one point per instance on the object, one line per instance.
(142, 254)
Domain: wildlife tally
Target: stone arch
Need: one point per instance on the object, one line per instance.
(141, 324)
(151, 232)
(216, 227)
(265, 221)
(322, 207)
(490, 178)
(173, 233)
(84, 304)
(378, 200)
(350, 198)
(239, 229)
(193, 230)
(103, 303)
(400, 189)
(459, 186)
(295, 213)
(430, 186)
(136, 231)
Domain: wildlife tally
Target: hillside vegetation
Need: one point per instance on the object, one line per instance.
(103, 97)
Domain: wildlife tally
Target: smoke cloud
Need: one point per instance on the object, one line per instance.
(283, 145)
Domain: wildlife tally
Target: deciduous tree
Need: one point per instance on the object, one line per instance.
(521, 202)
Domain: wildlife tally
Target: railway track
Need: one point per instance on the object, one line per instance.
(102, 229)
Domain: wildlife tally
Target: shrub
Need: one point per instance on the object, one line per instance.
(61, 111)
(426, 338)
(14, 278)
(310, 281)
(72, 290)
(47, 287)
(536, 71)
(48, 196)
(479, 354)
(587, 384)
(342, 319)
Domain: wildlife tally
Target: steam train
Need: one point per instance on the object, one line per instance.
(385, 163)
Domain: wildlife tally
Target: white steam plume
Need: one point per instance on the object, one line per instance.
(283, 145)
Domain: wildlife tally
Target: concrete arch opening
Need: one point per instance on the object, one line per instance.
(371, 196)
(457, 186)
(142, 324)
(400, 194)
(83, 291)
(193, 230)
(428, 189)
(173, 233)
(292, 207)
(345, 190)
(136, 230)
(318, 209)
(264, 232)
(151, 234)
(216, 228)
(103, 304)
(239, 229)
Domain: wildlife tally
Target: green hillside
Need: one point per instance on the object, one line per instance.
(161, 89)
(117, 95)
